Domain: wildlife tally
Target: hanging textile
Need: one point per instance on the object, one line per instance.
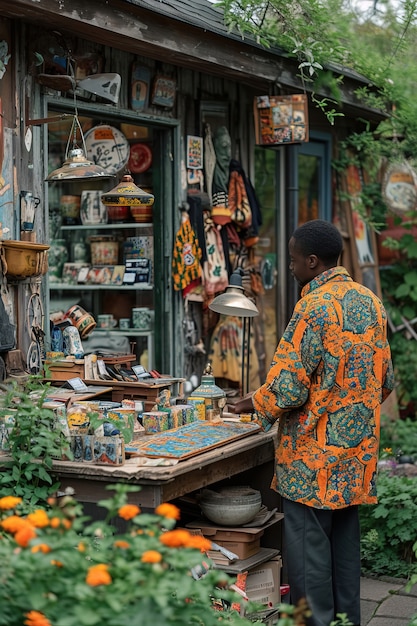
(215, 276)
(186, 267)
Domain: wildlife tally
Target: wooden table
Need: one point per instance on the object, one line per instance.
(163, 484)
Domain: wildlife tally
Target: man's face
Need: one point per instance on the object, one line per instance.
(301, 267)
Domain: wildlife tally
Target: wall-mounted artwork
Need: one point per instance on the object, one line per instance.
(194, 153)
(141, 78)
(164, 91)
(280, 119)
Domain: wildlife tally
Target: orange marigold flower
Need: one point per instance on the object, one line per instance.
(386, 450)
(121, 544)
(151, 556)
(34, 618)
(55, 522)
(129, 511)
(13, 523)
(24, 535)
(66, 523)
(9, 502)
(39, 518)
(168, 510)
(98, 575)
(41, 547)
(57, 563)
(199, 542)
(175, 538)
(81, 547)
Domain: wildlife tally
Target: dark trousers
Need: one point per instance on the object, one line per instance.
(321, 551)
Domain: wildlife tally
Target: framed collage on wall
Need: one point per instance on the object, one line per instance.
(280, 119)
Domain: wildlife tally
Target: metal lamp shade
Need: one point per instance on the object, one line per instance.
(233, 301)
(75, 167)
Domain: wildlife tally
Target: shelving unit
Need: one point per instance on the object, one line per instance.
(101, 292)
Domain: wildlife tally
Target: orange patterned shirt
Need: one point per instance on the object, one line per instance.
(330, 373)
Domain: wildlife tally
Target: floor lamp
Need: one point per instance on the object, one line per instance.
(234, 302)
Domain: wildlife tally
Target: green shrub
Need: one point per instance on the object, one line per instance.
(389, 529)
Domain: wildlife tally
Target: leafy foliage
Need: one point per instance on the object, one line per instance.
(34, 440)
(389, 529)
(74, 572)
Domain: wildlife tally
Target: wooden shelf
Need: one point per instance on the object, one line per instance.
(122, 225)
(82, 287)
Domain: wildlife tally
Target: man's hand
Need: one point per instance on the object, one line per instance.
(242, 405)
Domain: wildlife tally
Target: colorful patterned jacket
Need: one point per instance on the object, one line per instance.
(330, 373)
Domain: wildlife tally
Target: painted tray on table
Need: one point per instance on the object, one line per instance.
(194, 438)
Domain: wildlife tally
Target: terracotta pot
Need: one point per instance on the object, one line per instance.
(118, 213)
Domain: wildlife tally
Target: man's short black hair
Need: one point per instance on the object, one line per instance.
(320, 238)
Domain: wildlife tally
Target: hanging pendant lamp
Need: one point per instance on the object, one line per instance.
(76, 166)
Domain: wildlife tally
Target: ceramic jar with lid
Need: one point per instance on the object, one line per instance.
(214, 397)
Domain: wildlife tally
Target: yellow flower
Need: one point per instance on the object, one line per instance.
(175, 538)
(121, 544)
(9, 502)
(98, 575)
(41, 547)
(168, 510)
(129, 511)
(81, 547)
(387, 450)
(151, 556)
(38, 518)
(34, 618)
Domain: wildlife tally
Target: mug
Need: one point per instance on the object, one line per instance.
(28, 204)
(142, 318)
(124, 323)
(106, 321)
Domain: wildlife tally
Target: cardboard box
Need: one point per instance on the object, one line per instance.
(263, 583)
(244, 542)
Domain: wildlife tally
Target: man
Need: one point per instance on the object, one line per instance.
(330, 373)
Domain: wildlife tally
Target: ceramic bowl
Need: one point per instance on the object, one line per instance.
(231, 507)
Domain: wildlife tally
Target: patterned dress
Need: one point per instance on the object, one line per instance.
(330, 373)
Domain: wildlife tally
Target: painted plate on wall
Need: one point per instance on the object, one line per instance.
(140, 159)
(108, 147)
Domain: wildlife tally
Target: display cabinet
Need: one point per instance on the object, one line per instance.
(100, 257)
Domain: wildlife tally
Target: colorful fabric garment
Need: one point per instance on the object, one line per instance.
(186, 256)
(331, 371)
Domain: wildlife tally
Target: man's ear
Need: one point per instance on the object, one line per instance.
(313, 261)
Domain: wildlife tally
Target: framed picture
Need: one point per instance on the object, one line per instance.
(164, 91)
(194, 153)
(140, 82)
(280, 119)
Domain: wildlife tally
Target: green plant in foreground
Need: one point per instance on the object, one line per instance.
(389, 529)
(59, 569)
(33, 441)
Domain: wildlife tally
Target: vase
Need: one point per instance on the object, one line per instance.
(58, 255)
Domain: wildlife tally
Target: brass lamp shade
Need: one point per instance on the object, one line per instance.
(77, 167)
(233, 301)
(126, 193)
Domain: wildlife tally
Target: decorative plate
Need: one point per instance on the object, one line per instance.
(108, 147)
(399, 188)
(140, 158)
